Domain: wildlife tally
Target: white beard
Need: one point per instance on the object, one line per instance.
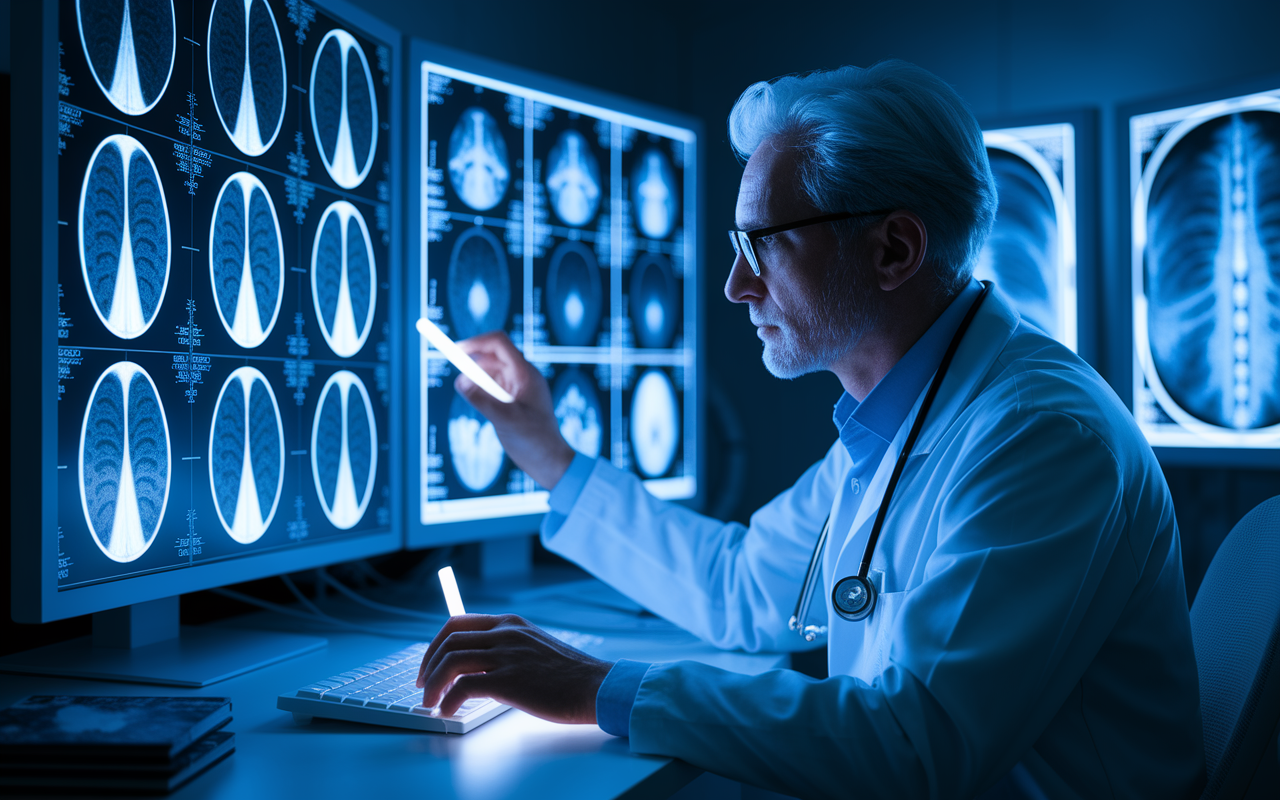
(830, 325)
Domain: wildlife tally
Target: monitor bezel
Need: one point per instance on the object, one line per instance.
(35, 597)
(421, 535)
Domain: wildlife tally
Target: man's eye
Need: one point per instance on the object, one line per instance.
(765, 240)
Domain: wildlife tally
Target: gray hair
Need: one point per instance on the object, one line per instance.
(891, 136)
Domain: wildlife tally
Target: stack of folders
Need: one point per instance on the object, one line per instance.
(110, 745)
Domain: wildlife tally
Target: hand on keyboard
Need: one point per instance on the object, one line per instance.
(514, 662)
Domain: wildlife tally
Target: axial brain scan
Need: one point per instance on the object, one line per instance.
(479, 294)
(344, 278)
(478, 160)
(344, 111)
(573, 179)
(246, 72)
(246, 260)
(654, 301)
(655, 423)
(246, 455)
(474, 449)
(577, 409)
(130, 46)
(653, 194)
(344, 449)
(575, 295)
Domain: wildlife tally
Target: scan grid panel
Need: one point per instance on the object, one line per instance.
(224, 241)
(571, 228)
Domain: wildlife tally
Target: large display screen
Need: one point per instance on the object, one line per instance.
(1205, 188)
(224, 240)
(571, 227)
(1031, 252)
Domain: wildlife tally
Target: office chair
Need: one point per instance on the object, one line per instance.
(1235, 626)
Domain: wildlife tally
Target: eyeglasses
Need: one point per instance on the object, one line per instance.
(744, 241)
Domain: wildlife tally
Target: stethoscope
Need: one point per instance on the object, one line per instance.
(854, 597)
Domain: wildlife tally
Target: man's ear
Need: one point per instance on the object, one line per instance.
(899, 244)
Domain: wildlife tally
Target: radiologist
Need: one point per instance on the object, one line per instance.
(989, 548)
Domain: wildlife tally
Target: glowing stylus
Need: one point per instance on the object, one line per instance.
(441, 341)
(452, 598)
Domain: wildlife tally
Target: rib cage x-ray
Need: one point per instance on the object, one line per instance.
(344, 110)
(124, 236)
(655, 423)
(577, 409)
(478, 166)
(654, 301)
(479, 290)
(1212, 277)
(246, 72)
(344, 278)
(655, 198)
(125, 462)
(130, 46)
(246, 260)
(573, 179)
(575, 295)
(344, 449)
(246, 455)
(474, 450)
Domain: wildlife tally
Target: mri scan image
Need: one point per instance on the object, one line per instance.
(655, 423)
(344, 278)
(246, 72)
(344, 449)
(479, 293)
(478, 166)
(654, 301)
(474, 450)
(344, 111)
(125, 462)
(124, 236)
(1212, 278)
(246, 260)
(575, 295)
(130, 46)
(577, 409)
(246, 455)
(654, 200)
(573, 179)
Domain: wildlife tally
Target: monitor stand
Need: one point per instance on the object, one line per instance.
(144, 643)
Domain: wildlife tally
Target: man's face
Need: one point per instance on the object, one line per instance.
(811, 303)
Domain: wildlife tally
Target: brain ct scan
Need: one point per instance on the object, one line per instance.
(246, 260)
(654, 197)
(577, 409)
(246, 455)
(655, 306)
(474, 449)
(573, 179)
(344, 278)
(478, 160)
(130, 46)
(1212, 270)
(124, 462)
(575, 295)
(479, 293)
(344, 449)
(124, 236)
(344, 110)
(246, 72)
(655, 423)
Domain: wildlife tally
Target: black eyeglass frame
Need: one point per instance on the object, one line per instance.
(744, 241)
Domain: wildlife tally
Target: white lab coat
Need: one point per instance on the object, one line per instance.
(1031, 633)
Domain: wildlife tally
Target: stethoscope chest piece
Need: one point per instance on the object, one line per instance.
(854, 598)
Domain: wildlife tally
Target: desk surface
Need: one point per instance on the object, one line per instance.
(514, 755)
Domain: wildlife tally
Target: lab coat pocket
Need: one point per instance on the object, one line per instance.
(878, 635)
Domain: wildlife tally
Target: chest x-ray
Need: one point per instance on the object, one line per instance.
(130, 46)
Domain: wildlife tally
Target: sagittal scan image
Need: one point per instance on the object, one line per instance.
(124, 236)
(577, 408)
(246, 259)
(343, 278)
(246, 455)
(655, 199)
(130, 46)
(575, 295)
(1213, 270)
(478, 166)
(573, 179)
(474, 450)
(479, 293)
(246, 72)
(655, 423)
(654, 301)
(344, 109)
(344, 449)
(124, 462)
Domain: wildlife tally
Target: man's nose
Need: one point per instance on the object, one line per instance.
(742, 285)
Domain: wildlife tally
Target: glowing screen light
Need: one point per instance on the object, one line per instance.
(344, 449)
(474, 449)
(125, 462)
(344, 278)
(478, 160)
(344, 108)
(246, 72)
(124, 236)
(246, 455)
(130, 46)
(577, 409)
(246, 260)
(654, 194)
(573, 179)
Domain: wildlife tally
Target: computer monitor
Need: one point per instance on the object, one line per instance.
(206, 316)
(568, 218)
(1204, 182)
